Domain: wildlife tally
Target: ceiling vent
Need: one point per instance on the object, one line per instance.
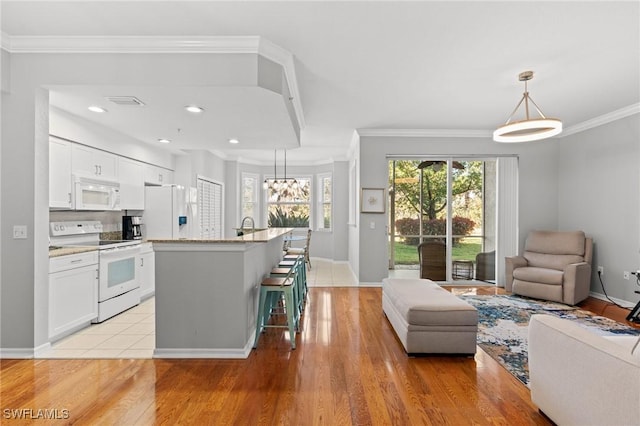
(125, 100)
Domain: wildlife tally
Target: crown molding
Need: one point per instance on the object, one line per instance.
(602, 120)
(452, 133)
(133, 44)
(424, 133)
(164, 44)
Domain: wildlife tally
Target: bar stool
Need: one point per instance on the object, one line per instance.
(289, 262)
(290, 257)
(273, 289)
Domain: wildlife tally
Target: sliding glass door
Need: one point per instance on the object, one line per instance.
(443, 208)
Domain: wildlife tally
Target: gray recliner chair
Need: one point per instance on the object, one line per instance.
(555, 266)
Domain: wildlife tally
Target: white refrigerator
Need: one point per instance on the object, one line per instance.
(170, 212)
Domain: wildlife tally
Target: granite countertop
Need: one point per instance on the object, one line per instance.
(64, 251)
(255, 237)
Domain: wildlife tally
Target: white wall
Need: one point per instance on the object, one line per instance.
(538, 174)
(599, 193)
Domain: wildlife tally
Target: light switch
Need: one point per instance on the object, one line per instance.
(19, 232)
(372, 225)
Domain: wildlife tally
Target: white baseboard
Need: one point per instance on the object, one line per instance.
(365, 284)
(37, 352)
(624, 303)
(201, 353)
(16, 353)
(230, 353)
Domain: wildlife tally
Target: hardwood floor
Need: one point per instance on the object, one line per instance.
(348, 369)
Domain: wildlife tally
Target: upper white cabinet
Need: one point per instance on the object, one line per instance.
(154, 175)
(131, 177)
(93, 162)
(59, 174)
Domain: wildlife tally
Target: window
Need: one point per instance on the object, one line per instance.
(289, 204)
(249, 194)
(324, 201)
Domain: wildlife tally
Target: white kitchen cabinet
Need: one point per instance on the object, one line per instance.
(131, 178)
(59, 174)
(94, 162)
(154, 175)
(73, 293)
(147, 271)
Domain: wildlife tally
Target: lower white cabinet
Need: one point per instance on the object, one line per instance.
(147, 271)
(73, 292)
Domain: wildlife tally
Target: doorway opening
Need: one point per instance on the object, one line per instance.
(442, 218)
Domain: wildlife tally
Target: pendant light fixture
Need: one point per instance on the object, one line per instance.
(529, 129)
(285, 182)
(265, 184)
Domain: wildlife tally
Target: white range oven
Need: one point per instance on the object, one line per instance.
(119, 286)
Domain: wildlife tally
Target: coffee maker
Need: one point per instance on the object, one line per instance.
(131, 227)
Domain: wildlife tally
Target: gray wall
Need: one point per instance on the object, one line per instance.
(599, 192)
(538, 174)
(324, 244)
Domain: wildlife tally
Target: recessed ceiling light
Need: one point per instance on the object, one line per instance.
(234, 141)
(194, 109)
(95, 108)
(164, 141)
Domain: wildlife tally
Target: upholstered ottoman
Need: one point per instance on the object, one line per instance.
(428, 319)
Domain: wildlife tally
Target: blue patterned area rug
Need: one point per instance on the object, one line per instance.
(503, 325)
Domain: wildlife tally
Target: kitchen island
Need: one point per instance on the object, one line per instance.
(207, 293)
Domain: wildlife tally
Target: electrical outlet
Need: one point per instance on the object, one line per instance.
(626, 275)
(19, 232)
(601, 270)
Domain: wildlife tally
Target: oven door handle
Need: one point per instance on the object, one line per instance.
(120, 251)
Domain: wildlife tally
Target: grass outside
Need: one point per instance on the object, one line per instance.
(466, 249)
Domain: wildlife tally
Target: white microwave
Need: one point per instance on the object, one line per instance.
(95, 194)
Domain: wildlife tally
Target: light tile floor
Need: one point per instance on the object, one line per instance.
(128, 335)
(132, 333)
(326, 273)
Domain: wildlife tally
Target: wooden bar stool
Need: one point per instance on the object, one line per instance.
(273, 289)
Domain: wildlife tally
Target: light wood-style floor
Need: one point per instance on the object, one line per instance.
(348, 369)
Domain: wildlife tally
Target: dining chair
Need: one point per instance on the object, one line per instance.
(303, 250)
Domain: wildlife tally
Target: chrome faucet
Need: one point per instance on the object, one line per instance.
(253, 225)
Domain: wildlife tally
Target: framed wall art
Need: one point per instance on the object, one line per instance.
(372, 200)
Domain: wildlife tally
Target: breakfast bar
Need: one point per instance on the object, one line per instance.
(207, 293)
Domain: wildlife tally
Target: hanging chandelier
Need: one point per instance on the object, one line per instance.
(286, 183)
(529, 129)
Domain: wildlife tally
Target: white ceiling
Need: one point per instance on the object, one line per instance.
(375, 65)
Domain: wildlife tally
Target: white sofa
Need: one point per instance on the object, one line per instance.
(580, 378)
